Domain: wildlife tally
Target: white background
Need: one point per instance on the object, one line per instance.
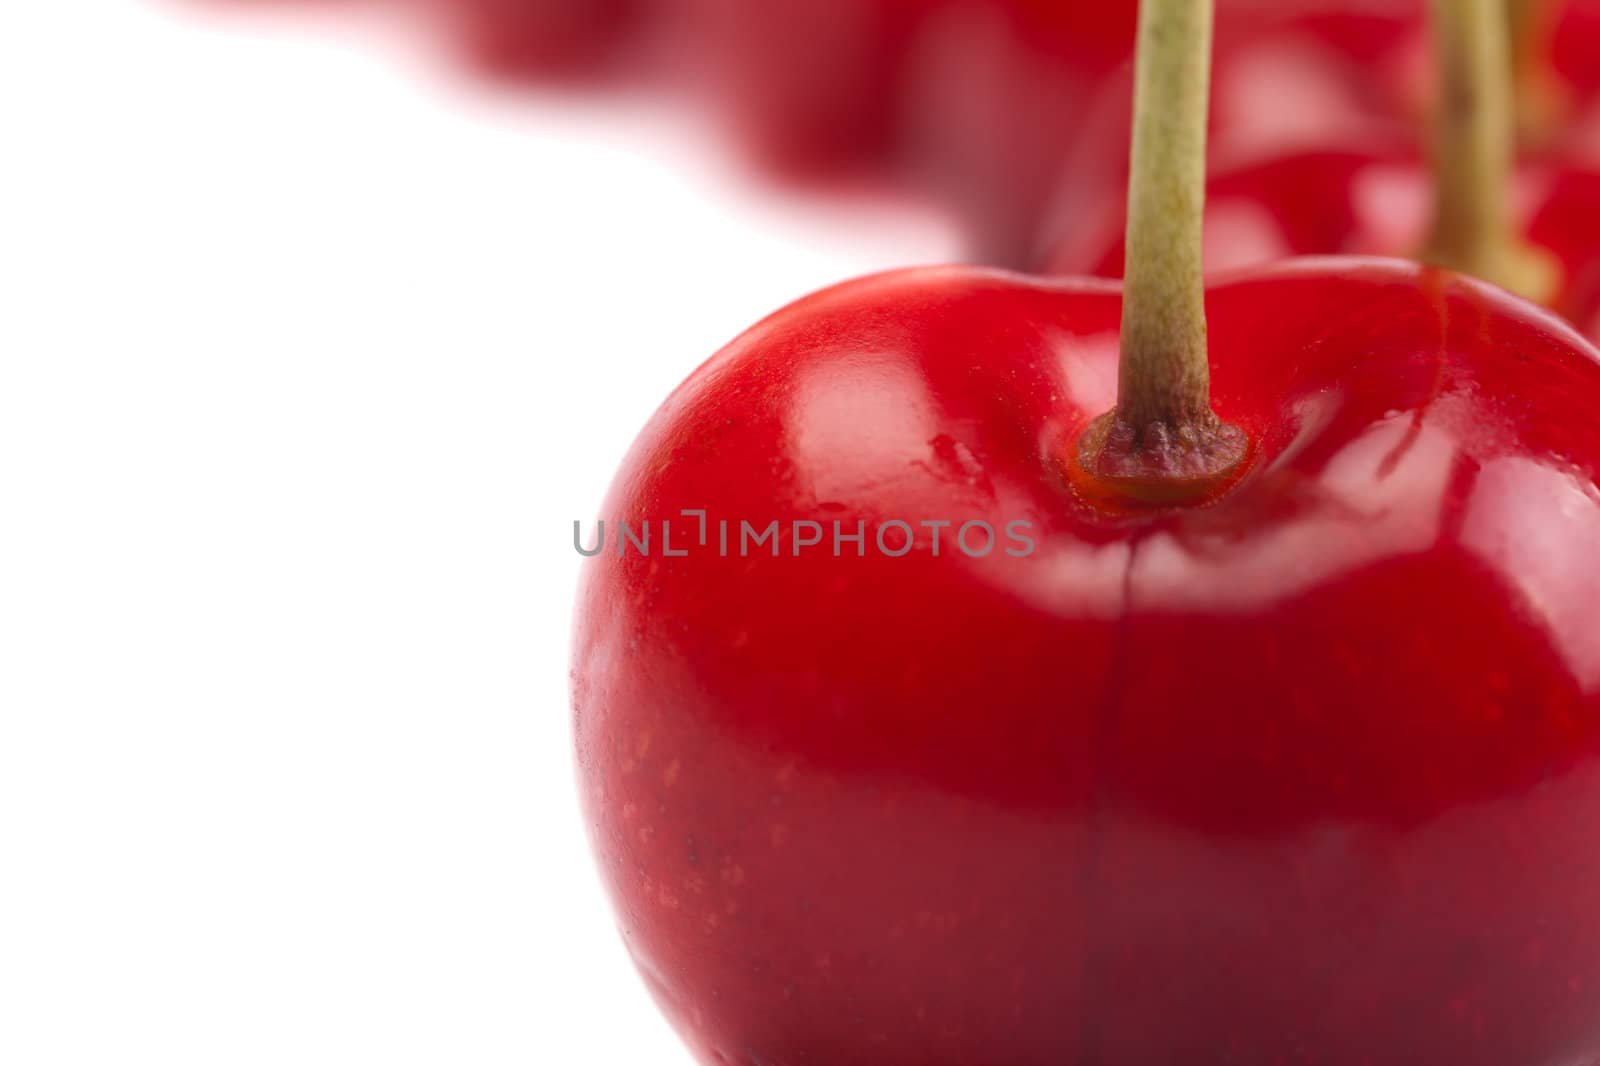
(309, 356)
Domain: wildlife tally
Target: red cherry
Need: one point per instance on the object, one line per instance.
(1094, 37)
(1576, 83)
(970, 99)
(520, 39)
(1377, 65)
(811, 88)
(993, 110)
(1362, 202)
(1009, 94)
(1308, 774)
(1559, 90)
(1309, 79)
(1290, 76)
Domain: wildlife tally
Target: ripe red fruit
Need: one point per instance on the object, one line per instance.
(1375, 64)
(995, 102)
(1308, 76)
(971, 100)
(1560, 90)
(810, 88)
(1370, 202)
(530, 39)
(1287, 77)
(1310, 773)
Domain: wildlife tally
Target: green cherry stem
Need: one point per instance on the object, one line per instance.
(1474, 153)
(1162, 441)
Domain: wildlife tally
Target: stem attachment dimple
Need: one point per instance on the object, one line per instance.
(1162, 441)
(1475, 153)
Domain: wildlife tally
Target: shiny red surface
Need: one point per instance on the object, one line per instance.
(1360, 202)
(1310, 774)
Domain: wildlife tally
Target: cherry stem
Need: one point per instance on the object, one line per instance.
(1162, 439)
(1475, 152)
(1164, 374)
(1540, 97)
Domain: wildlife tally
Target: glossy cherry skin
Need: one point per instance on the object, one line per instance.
(1307, 774)
(1362, 202)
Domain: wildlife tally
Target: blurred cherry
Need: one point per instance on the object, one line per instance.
(1393, 74)
(809, 88)
(992, 110)
(536, 40)
(1287, 76)
(1365, 202)
(971, 100)
(1531, 227)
